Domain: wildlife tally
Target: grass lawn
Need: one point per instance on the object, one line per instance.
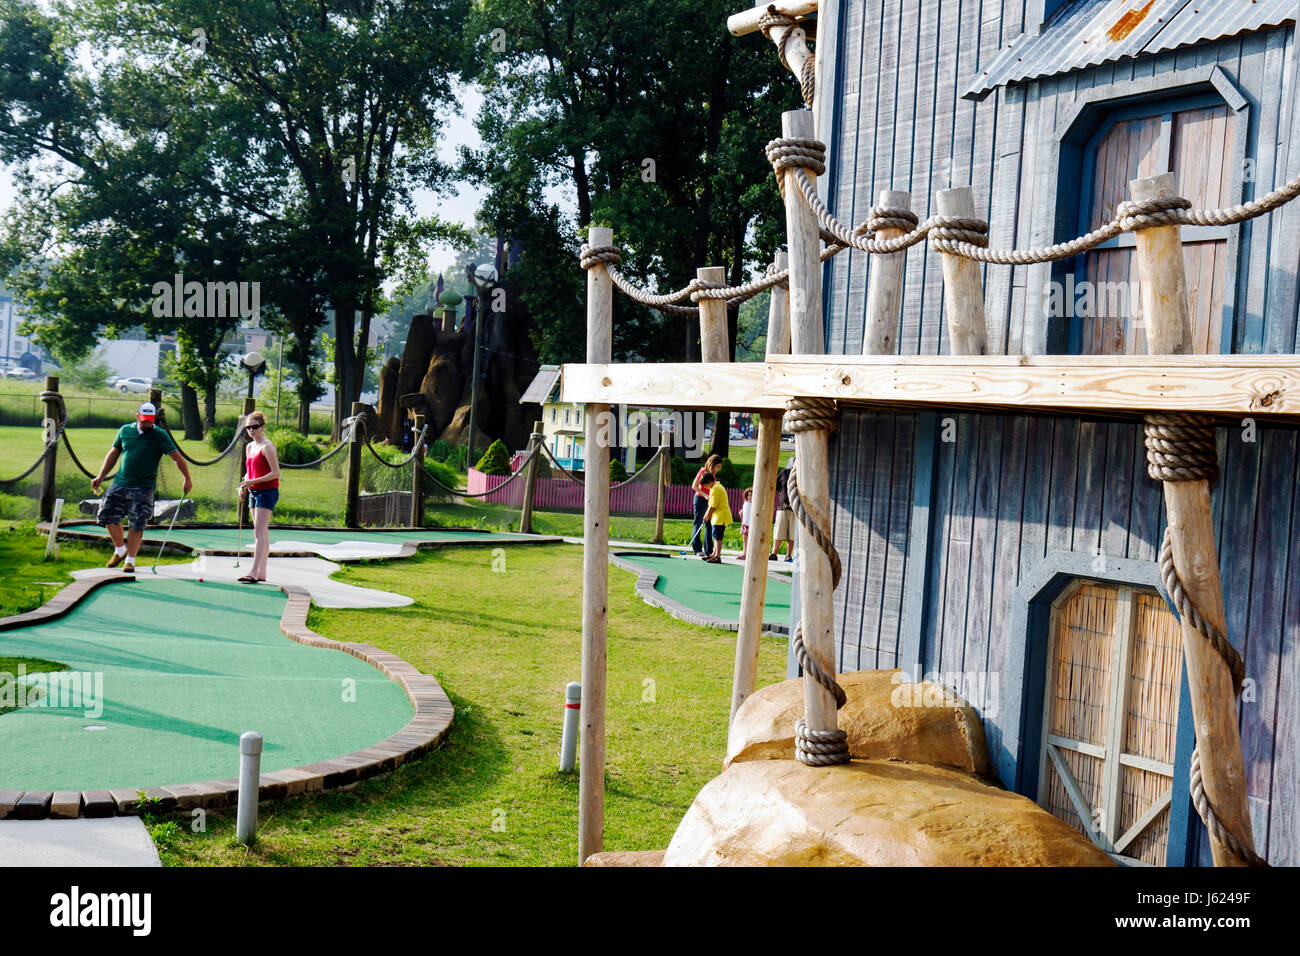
(27, 580)
(492, 794)
(8, 673)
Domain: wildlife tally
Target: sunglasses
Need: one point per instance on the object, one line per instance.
(252, 428)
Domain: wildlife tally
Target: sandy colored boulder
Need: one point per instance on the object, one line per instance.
(868, 813)
(884, 717)
(626, 858)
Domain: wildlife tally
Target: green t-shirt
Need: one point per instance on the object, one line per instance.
(141, 452)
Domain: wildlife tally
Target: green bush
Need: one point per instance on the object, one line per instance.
(727, 474)
(457, 459)
(616, 471)
(680, 472)
(292, 447)
(377, 478)
(220, 437)
(496, 460)
(440, 450)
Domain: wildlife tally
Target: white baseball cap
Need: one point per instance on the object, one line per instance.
(147, 411)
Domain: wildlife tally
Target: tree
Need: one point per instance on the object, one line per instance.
(278, 140)
(656, 132)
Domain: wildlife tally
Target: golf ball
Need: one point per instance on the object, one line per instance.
(200, 580)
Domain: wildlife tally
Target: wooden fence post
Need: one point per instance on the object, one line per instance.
(661, 495)
(530, 479)
(816, 596)
(417, 475)
(49, 473)
(885, 285)
(1168, 324)
(963, 291)
(767, 461)
(354, 467)
(595, 565)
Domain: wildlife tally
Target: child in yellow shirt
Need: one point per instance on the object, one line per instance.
(717, 517)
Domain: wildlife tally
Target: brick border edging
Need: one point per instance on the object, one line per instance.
(646, 591)
(423, 732)
(68, 597)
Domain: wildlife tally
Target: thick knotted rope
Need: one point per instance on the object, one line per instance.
(814, 747)
(1181, 447)
(590, 257)
(968, 237)
(59, 424)
(770, 21)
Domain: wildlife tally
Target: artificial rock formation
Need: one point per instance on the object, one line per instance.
(869, 813)
(881, 717)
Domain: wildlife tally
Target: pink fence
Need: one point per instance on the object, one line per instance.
(562, 494)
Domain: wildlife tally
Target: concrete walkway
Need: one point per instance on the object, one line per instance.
(112, 841)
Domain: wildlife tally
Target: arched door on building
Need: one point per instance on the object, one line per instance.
(1111, 716)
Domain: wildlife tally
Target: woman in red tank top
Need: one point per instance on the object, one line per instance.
(262, 485)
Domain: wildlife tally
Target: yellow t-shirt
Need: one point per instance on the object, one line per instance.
(720, 505)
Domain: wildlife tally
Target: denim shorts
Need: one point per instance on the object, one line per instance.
(263, 498)
(134, 504)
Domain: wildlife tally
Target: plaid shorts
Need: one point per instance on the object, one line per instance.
(136, 504)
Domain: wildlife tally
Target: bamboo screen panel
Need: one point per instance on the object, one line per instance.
(1084, 648)
(1154, 680)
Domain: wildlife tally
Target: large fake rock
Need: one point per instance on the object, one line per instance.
(456, 431)
(868, 813)
(391, 414)
(443, 381)
(885, 718)
(626, 858)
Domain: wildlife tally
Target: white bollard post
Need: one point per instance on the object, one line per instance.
(51, 546)
(572, 710)
(250, 771)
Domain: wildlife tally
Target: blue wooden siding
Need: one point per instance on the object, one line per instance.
(938, 536)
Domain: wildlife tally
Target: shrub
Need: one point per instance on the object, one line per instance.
(727, 474)
(496, 460)
(292, 447)
(377, 478)
(456, 460)
(680, 472)
(220, 437)
(440, 450)
(617, 472)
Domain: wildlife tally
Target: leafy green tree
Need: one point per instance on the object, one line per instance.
(655, 131)
(91, 371)
(496, 460)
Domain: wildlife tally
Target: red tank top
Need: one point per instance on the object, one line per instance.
(257, 467)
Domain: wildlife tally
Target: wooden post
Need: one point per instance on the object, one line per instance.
(816, 597)
(245, 515)
(49, 473)
(747, 21)
(963, 292)
(595, 567)
(417, 475)
(160, 415)
(661, 495)
(713, 334)
(530, 480)
(354, 469)
(767, 461)
(885, 285)
(1191, 523)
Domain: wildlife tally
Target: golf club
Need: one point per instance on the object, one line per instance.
(239, 541)
(167, 536)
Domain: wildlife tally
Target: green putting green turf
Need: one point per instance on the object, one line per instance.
(228, 539)
(711, 588)
(186, 668)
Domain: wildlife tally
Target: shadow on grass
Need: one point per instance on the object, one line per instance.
(471, 761)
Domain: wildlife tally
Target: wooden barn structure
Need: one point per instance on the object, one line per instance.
(994, 516)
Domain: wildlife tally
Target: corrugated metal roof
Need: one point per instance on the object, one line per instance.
(1207, 21)
(1092, 32)
(539, 390)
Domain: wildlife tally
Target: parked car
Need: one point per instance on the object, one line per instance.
(19, 371)
(132, 385)
(736, 434)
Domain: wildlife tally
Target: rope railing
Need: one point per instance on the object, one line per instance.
(317, 461)
(571, 475)
(405, 461)
(45, 453)
(205, 464)
(968, 237)
(59, 426)
(465, 493)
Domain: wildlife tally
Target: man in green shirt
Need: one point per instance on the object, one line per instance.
(141, 446)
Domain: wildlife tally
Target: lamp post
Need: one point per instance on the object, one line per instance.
(255, 365)
(484, 277)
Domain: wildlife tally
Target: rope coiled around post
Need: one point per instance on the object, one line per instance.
(1181, 447)
(815, 747)
(773, 19)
